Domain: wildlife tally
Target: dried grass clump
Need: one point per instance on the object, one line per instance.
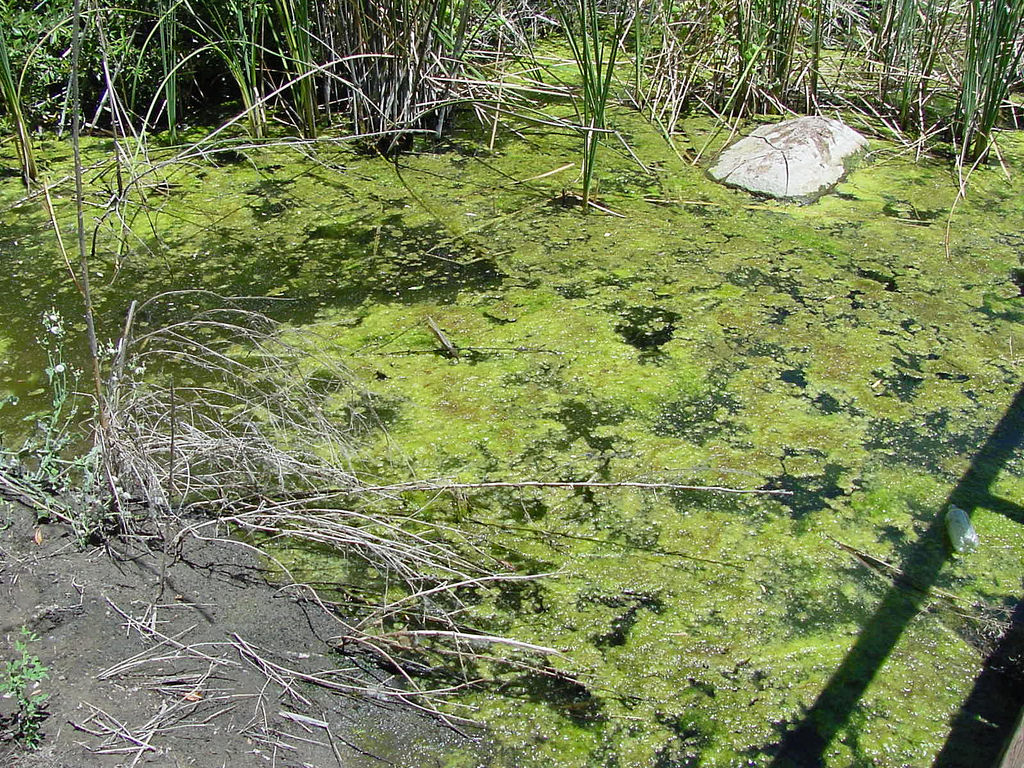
(218, 404)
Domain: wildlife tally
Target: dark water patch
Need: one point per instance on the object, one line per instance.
(709, 211)
(525, 509)
(1017, 279)
(545, 374)
(913, 361)
(830, 405)
(691, 734)
(613, 280)
(632, 180)
(700, 417)
(747, 277)
(1007, 310)
(810, 492)
(582, 421)
(886, 281)
(630, 601)
(901, 384)
(272, 198)
(779, 280)
(794, 376)
(519, 597)
(332, 231)
(575, 289)
(495, 320)
(228, 157)
(646, 328)
(695, 502)
(638, 535)
(809, 610)
(894, 536)
(827, 404)
(371, 412)
(925, 441)
(352, 263)
(769, 349)
(908, 213)
(566, 696)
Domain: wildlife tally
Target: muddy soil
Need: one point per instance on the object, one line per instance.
(162, 661)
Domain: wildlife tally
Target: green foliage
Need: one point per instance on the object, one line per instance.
(20, 678)
(991, 65)
(167, 28)
(293, 25)
(37, 38)
(234, 33)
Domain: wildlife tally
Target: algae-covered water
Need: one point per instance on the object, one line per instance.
(857, 352)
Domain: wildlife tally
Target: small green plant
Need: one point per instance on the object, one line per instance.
(49, 464)
(594, 46)
(54, 435)
(19, 679)
(40, 459)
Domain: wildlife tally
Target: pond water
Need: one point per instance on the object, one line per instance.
(856, 352)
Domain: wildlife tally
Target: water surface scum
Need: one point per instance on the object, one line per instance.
(853, 351)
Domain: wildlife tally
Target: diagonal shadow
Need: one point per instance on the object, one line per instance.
(804, 746)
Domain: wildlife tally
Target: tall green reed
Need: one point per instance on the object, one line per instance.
(167, 27)
(12, 103)
(293, 28)
(896, 51)
(991, 65)
(767, 32)
(913, 38)
(683, 50)
(234, 33)
(594, 48)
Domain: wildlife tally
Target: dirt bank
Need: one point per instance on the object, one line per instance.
(187, 661)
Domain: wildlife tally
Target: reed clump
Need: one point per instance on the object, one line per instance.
(386, 70)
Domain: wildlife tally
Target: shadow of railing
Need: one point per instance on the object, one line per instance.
(804, 745)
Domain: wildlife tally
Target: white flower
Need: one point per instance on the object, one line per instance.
(59, 368)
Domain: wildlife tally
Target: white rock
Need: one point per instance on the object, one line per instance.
(799, 159)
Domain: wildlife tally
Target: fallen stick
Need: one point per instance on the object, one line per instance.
(474, 639)
(571, 484)
(450, 349)
(303, 719)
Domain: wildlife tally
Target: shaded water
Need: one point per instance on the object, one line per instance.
(834, 350)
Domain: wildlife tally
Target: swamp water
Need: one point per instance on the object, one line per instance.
(839, 351)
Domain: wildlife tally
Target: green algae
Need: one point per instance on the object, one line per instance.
(846, 351)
